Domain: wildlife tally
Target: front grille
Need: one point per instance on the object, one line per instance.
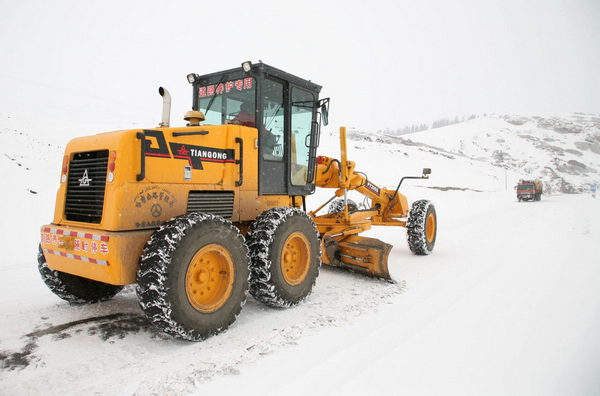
(86, 185)
(216, 202)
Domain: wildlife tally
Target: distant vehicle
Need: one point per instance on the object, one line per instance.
(529, 190)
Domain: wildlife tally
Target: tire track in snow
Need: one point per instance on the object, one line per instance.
(338, 299)
(118, 338)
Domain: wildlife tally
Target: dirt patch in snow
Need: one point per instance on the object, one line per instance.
(18, 360)
(106, 327)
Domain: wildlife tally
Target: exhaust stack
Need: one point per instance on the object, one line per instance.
(166, 112)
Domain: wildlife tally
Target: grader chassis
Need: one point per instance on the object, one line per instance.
(198, 215)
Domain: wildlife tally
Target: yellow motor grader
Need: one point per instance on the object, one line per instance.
(198, 215)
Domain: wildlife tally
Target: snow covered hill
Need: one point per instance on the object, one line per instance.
(506, 304)
(563, 151)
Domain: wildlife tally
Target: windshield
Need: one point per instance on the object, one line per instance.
(526, 187)
(231, 101)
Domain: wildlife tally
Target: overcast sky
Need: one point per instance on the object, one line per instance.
(385, 64)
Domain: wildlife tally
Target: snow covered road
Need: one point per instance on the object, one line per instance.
(508, 304)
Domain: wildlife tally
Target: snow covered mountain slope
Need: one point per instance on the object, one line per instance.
(563, 151)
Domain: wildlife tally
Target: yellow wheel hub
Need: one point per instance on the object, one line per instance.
(430, 230)
(295, 258)
(209, 278)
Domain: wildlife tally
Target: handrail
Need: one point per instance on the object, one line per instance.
(240, 141)
(142, 175)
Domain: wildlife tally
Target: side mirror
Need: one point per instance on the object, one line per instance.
(426, 171)
(324, 107)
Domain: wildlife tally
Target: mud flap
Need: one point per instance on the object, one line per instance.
(366, 256)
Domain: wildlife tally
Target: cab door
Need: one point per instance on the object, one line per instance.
(287, 134)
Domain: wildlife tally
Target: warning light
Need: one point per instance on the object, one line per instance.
(111, 166)
(65, 169)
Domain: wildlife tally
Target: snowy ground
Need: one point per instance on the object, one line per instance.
(508, 303)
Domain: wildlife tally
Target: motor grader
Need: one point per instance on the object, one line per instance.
(198, 215)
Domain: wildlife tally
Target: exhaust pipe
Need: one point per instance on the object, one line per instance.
(166, 112)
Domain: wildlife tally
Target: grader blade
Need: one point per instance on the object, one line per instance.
(366, 256)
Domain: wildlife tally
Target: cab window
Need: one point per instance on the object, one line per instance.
(232, 102)
(303, 103)
(273, 121)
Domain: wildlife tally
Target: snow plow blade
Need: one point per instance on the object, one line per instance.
(366, 256)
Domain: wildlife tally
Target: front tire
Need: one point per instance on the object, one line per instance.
(72, 288)
(193, 276)
(421, 227)
(284, 256)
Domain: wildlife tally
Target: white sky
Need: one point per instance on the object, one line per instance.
(385, 64)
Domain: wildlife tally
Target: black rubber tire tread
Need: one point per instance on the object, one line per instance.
(337, 206)
(162, 271)
(265, 242)
(416, 232)
(72, 288)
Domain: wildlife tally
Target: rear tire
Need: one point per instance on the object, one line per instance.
(193, 276)
(72, 288)
(284, 256)
(421, 227)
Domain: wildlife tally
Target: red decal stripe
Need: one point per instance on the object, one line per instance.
(103, 238)
(77, 257)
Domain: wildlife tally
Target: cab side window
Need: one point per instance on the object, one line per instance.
(303, 103)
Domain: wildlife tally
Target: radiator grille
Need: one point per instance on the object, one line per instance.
(216, 202)
(85, 187)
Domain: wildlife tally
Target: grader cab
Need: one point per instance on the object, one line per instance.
(198, 215)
